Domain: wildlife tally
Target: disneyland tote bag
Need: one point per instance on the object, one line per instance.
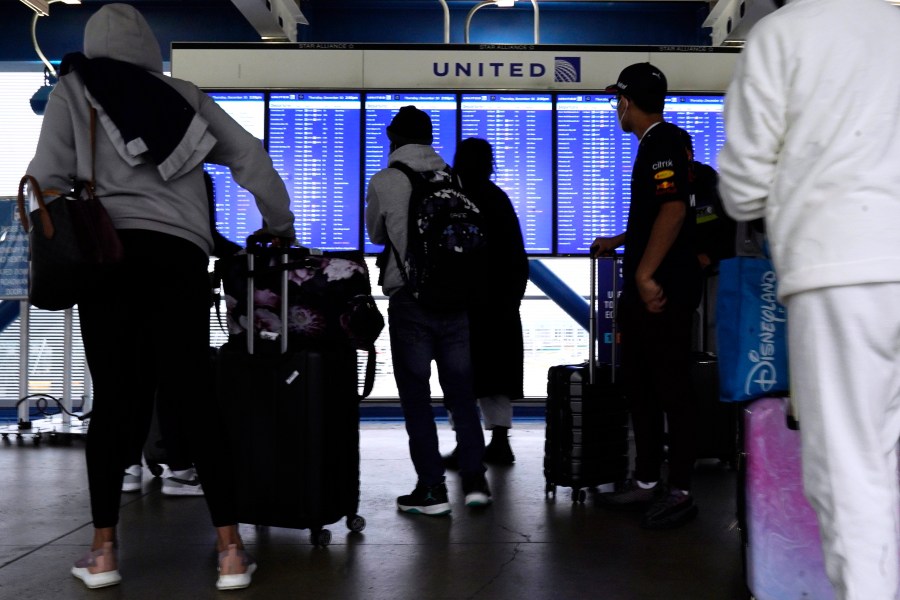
(751, 331)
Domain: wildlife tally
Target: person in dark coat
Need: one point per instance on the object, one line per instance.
(494, 323)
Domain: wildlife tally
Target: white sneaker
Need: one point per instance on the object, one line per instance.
(98, 568)
(181, 483)
(133, 479)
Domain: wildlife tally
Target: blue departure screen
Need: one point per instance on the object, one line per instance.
(595, 158)
(701, 116)
(314, 141)
(236, 213)
(381, 107)
(520, 129)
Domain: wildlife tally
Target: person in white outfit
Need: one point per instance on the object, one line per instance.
(812, 121)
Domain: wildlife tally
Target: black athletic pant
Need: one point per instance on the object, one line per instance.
(145, 329)
(656, 368)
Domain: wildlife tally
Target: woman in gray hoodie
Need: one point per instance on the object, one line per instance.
(145, 324)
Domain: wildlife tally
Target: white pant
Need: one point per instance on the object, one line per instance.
(844, 347)
(495, 410)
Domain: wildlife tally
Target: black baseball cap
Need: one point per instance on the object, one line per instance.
(644, 84)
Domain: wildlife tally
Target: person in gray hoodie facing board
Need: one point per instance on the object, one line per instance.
(145, 325)
(419, 333)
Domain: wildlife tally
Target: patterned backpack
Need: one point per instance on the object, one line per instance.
(446, 241)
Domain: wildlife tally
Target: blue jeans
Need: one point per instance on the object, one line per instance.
(418, 336)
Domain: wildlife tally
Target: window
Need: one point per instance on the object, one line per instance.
(19, 124)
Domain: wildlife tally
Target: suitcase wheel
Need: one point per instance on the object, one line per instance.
(320, 537)
(579, 495)
(156, 469)
(356, 523)
(550, 490)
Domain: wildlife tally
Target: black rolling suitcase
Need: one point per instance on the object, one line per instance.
(586, 443)
(292, 417)
(717, 421)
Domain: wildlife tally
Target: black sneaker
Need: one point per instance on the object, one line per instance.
(671, 510)
(426, 500)
(498, 452)
(451, 461)
(631, 496)
(476, 489)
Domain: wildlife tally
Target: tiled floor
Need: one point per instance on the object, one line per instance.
(522, 547)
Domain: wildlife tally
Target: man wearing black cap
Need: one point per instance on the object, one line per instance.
(420, 334)
(662, 284)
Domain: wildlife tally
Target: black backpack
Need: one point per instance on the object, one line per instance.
(716, 231)
(446, 243)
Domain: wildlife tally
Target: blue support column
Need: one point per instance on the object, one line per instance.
(9, 312)
(575, 305)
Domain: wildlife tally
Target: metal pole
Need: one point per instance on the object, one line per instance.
(24, 421)
(68, 328)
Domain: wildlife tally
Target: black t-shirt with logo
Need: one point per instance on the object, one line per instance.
(661, 174)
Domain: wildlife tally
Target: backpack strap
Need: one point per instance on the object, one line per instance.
(369, 381)
(416, 180)
(415, 177)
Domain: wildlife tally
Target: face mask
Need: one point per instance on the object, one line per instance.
(622, 118)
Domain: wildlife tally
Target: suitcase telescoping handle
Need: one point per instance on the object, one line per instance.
(251, 294)
(592, 318)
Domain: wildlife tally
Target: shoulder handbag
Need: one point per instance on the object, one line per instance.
(71, 241)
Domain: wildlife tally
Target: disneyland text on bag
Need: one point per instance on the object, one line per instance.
(751, 329)
(772, 316)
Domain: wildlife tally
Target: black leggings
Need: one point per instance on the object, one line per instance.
(145, 329)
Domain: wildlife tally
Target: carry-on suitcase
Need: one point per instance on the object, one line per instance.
(586, 436)
(717, 421)
(293, 420)
(782, 548)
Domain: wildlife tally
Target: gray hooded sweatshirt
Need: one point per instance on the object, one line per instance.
(135, 192)
(387, 205)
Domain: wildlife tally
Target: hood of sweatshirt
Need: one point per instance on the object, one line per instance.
(120, 32)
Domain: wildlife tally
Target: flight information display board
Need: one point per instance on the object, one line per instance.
(380, 108)
(327, 146)
(520, 129)
(701, 116)
(595, 157)
(314, 142)
(236, 212)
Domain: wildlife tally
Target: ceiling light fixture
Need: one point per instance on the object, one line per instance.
(42, 7)
(446, 20)
(507, 4)
(273, 20)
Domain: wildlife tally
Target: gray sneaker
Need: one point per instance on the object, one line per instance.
(672, 509)
(181, 483)
(132, 480)
(630, 497)
(476, 489)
